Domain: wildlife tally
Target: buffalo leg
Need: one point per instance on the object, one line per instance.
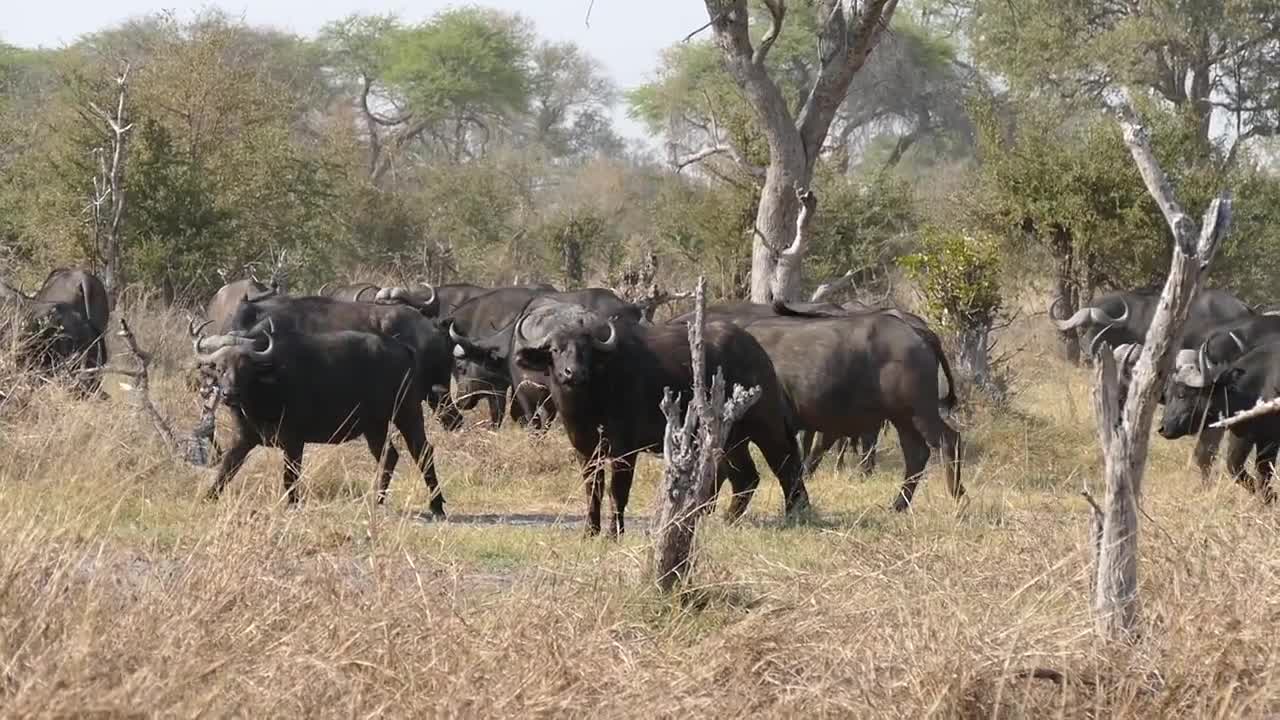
(413, 430)
(915, 454)
(1266, 464)
(813, 455)
(386, 456)
(230, 465)
(1207, 450)
(292, 469)
(782, 453)
(868, 440)
(593, 478)
(620, 492)
(446, 411)
(738, 467)
(1238, 450)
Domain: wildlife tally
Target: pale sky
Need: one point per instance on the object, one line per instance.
(625, 35)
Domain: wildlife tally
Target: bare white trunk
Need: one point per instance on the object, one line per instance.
(1124, 426)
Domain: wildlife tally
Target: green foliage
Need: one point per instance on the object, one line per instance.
(707, 228)
(862, 225)
(959, 274)
(463, 59)
(1195, 54)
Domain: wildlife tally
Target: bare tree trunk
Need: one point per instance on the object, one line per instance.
(1124, 430)
(109, 192)
(692, 450)
(795, 141)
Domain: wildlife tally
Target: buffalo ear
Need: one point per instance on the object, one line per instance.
(533, 359)
(1229, 377)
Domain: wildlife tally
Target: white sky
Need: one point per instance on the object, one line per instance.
(625, 35)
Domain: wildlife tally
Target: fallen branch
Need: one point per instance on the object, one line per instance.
(1262, 408)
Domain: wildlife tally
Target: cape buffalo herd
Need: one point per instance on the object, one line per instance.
(355, 359)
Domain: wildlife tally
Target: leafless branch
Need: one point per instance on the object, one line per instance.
(832, 286)
(1262, 408)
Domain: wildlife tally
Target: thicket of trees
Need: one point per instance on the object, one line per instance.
(466, 146)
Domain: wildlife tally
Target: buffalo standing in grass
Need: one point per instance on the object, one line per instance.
(63, 325)
(315, 314)
(607, 378)
(329, 388)
(1124, 317)
(494, 356)
(478, 370)
(1203, 393)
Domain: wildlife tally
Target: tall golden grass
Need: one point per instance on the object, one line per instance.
(122, 593)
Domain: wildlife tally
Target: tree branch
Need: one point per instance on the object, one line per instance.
(834, 285)
(777, 11)
(1262, 408)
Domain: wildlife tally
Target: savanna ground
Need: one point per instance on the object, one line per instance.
(122, 593)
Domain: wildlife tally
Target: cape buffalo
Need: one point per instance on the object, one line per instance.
(63, 325)
(815, 444)
(324, 388)
(315, 314)
(222, 307)
(1202, 393)
(486, 319)
(1125, 317)
(847, 376)
(607, 379)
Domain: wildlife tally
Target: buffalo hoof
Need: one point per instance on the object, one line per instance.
(901, 503)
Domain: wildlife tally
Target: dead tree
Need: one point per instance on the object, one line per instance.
(193, 449)
(108, 202)
(1124, 426)
(692, 450)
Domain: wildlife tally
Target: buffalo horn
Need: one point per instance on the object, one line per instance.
(454, 336)
(195, 330)
(1082, 316)
(431, 300)
(386, 293)
(1238, 341)
(1052, 306)
(542, 341)
(610, 342)
(265, 353)
(260, 296)
(208, 349)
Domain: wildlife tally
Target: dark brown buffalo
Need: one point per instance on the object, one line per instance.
(488, 359)
(315, 314)
(607, 379)
(1202, 393)
(63, 326)
(486, 319)
(220, 310)
(319, 388)
(847, 376)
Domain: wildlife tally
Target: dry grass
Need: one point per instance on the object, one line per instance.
(121, 592)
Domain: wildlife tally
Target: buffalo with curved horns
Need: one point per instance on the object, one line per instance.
(325, 388)
(1125, 317)
(607, 380)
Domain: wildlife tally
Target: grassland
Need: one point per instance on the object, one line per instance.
(122, 593)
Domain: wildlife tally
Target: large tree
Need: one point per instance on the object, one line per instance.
(795, 136)
(1216, 61)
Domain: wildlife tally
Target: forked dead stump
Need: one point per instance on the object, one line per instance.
(691, 451)
(1124, 428)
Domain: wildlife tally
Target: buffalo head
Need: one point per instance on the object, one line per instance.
(479, 366)
(565, 347)
(1189, 397)
(1096, 321)
(235, 362)
(422, 298)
